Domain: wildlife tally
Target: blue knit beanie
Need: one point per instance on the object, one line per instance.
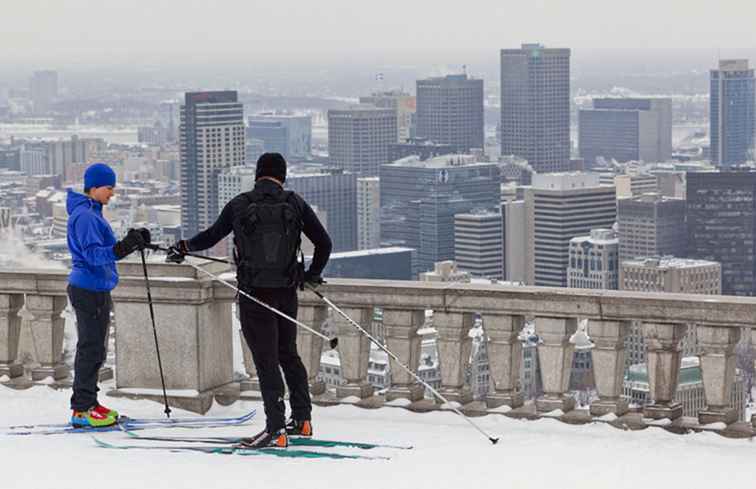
(99, 175)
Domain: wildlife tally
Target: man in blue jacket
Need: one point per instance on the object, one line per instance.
(94, 251)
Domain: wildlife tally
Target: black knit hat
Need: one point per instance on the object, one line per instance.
(271, 165)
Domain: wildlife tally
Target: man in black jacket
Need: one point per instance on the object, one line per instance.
(267, 223)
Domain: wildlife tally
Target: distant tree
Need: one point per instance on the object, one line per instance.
(745, 356)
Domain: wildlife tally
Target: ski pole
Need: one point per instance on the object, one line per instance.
(399, 362)
(219, 260)
(332, 342)
(167, 410)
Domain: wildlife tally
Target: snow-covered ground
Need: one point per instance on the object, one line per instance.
(447, 453)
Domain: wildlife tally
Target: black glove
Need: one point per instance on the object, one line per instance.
(146, 236)
(313, 280)
(133, 241)
(177, 253)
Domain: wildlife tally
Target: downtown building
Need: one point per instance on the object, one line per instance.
(478, 246)
(419, 200)
(359, 138)
(594, 261)
(670, 274)
(721, 218)
(43, 88)
(450, 111)
(368, 213)
(290, 135)
(731, 113)
(404, 104)
(559, 207)
(211, 139)
(626, 129)
(651, 225)
(535, 106)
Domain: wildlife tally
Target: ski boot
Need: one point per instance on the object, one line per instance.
(91, 419)
(106, 411)
(264, 439)
(299, 428)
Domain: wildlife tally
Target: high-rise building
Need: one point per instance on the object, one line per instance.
(594, 261)
(535, 106)
(421, 148)
(290, 135)
(670, 274)
(403, 103)
(626, 129)
(478, 247)
(651, 225)
(211, 140)
(450, 111)
(563, 206)
(634, 184)
(44, 90)
(420, 198)
(359, 138)
(368, 213)
(515, 236)
(731, 113)
(721, 215)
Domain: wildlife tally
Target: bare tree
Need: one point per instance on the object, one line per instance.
(745, 356)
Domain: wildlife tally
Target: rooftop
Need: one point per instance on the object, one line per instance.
(667, 262)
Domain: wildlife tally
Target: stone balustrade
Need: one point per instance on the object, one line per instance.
(193, 316)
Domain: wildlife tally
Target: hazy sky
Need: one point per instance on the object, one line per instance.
(44, 30)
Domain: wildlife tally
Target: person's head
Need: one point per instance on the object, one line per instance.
(271, 165)
(99, 182)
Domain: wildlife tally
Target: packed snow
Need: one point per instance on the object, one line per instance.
(448, 453)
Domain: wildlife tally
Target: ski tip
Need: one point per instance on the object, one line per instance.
(334, 343)
(493, 440)
(100, 443)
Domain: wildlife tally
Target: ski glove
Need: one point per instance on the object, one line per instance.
(177, 253)
(133, 241)
(313, 280)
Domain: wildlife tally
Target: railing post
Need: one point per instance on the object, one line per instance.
(504, 359)
(454, 346)
(717, 344)
(10, 332)
(47, 328)
(609, 365)
(310, 347)
(555, 358)
(402, 339)
(354, 352)
(663, 363)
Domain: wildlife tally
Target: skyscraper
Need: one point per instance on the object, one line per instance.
(651, 225)
(211, 139)
(44, 90)
(368, 213)
(563, 206)
(535, 106)
(359, 138)
(290, 135)
(721, 213)
(478, 247)
(626, 129)
(731, 118)
(594, 261)
(450, 111)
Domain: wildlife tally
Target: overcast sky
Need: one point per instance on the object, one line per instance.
(83, 29)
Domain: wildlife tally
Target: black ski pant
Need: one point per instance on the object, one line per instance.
(273, 342)
(92, 322)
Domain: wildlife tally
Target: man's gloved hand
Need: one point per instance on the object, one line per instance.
(177, 253)
(133, 241)
(312, 279)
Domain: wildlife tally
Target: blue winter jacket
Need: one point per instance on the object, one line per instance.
(90, 241)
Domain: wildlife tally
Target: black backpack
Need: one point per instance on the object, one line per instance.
(267, 239)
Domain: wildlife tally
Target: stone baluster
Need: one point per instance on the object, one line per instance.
(454, 347)
(504, 358)
(609, 365)
(717, 344)
(310, 347)
(10, 332)
(47, 329)
(753, 344)
(555, 357)
(354, 352)
(402, 340)
(663, 361)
